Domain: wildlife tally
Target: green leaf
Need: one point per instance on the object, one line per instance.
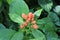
(17, 7)
(6, 34)
(18, 36)
(57, 10)
(46, 4)
(38, 35)
(40, 22)
(16, 18)
(46, 24)
(54, 18)
(43, 21)
(33, 39)
(2, 26)
(9, 1)
(38, 12)
(48, 28)
(51, 35)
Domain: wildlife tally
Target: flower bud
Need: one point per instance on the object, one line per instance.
(32, 19)
(30, 15)
(21, 26)
(33, 22)
(35, 26)
(29, 19)
(25, 23)
(24, 16)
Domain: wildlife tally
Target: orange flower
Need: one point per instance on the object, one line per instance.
(32, 19)
(33, 22)
(29, 18)
(24, 16)
(35, 26)
(30, 15)
(21, 26)
(25, 23)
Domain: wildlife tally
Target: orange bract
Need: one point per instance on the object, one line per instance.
(29, 18)
(21, 26)
(33, 22)
(24, 16)
(30, 15)
(32, 19)
(25, 23)
(35, 26)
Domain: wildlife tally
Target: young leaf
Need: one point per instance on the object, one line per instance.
(18, 36)
(38, 12)
(46, 4)
(38, 35)
(6, 34)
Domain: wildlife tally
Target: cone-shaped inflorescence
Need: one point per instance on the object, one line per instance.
(29, 18)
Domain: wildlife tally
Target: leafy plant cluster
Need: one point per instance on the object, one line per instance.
(47, 17)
